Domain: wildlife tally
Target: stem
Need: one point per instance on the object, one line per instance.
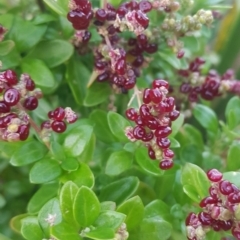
(137, 93)
(92, 78)
(108, 42)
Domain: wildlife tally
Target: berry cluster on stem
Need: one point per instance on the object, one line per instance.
(153, 122)
(220, 210)
(19, 97)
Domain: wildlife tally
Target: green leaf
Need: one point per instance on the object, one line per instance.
(170, 58)
(206, 117)
(6, 20)
(30, 34)
(77, 139)
(64, 231)
(232, 112)
(70, 164)
(66, 198)
(44, 171)
(50, 215)
(60, 6)
(233, 158)
(16, 222)
(233, 177)
(83, 176)
(146, 163)
(96, 94)
(52, 52)
(101, 234)
(39, 72)
(57, 151)
(30, 229)
(120, 190)
(43, 195)
(11, 60)
(177, 124)
(194, 176)
(174, 143)
(2, 237)
(191, 153)
(134, 209)
(77, 76)
(118, 162)
(108, 205)
(101, 128)
(6, 47)
(28, 153)
(109, 219)
(86, 207)
(117, 125)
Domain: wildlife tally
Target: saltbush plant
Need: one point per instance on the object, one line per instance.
(119, 120)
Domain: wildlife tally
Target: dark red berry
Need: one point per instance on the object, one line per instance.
(142, 39)
(191, 220)
(151, 48)
(163, 142)
(7, 119)
(111, 15)
(83, 5)
(174, 115)
(180, 54)
(166, 164)
(130, 82)
(185, 88)
(139, 121)
(208, 200)
(132, 41)
(11, 96)
(59, 114)
(133, 5)
(138, 61)
(151, 122)
(144, 111)
(214, 175)
(225, 187)
(103, 76)
(234, 197)
(101, 15)
(58, 126)
(51, 114)
(148, 137)
(29, 84)
(162, 133)
(160, 83)
(142, 19)
(168, 153)
(155, 95)
(131, 114)
(86, 37)
(236, 232)
(79, 20)
(23, 132)
(205, 218)
(100, 65)
(120, 66)
(213, 192)
(139, 132)
(193, 96)
(145, 6)
(30, 103)
(46, 125)
(11, 77)
(146, 96)
(4, 108)
(151, 153)
(122, 11)
(226, 225)
(216, 225)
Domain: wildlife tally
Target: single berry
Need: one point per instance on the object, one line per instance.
(166, 164)
(30, 103)
(146, 96)
(145, 6)
(160, 83)
(163, 142)
(101, 15)
(46, 125)
(226, 225)
(11, 96)
(151, 48)
(151, 153)
(213, 192)
(29, 84)
(147, 137)
(162, 133)
(51, 114)
(130, 82)
(23, 131)
(151, 122)
(4, 108)
(225, 187)
(120, 66)
(234, 197)
(58, 126)
(208, 200)
(185, 88)
(59, 114)
(155, 95)
(139, 132)
(180, 54)
(144, 111)
(11, 77)
(131, 114)
(142, 19)
(86, 37)
(142, 39)
(205, 218)
(191, 220)
(174, 115)
(138, 61)
(214, 175)
(103, 76)
(168, 153)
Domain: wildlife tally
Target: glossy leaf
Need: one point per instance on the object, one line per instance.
(194, 176)
(134, 209)
(101, 128)
(43, 195)
(232, 112)
(96, 94)
(50, 215)
(60, 6)
(117, 124)
(233, 177)
(177, 124)
(109, 219)
(108, 205)
(86, 207)
(52, 52)
(101, 234)
(45, 171)
(30, 229)
(206, 117)
(28, 153)
(120, 190)
(6, 47)
(146, 163)
(83, 176)
(233, 157)
(118, 162)
(66, 198)
(70, 164)
(39, 72)
(16, 222)
(77, 139)
(65, 231)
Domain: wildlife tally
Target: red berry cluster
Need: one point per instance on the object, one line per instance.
(17, 97)
(57, 120)
(153, 122)
(220, 209)
(207, 87)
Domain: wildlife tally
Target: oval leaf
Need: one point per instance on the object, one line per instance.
(30, 229)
